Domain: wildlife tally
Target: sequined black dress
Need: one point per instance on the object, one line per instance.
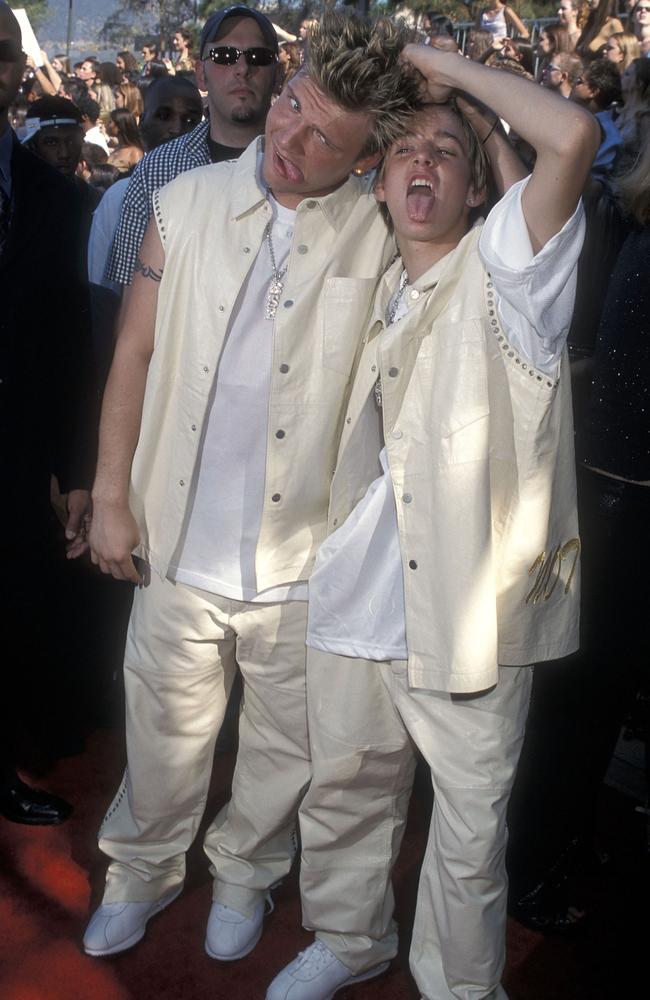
(615, 436)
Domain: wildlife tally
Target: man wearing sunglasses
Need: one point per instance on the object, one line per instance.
(598, 89)
(231, 375)
(239, 88)
(562, 73)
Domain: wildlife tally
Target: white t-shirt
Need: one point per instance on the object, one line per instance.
(98, 137)
(356, 590)
(105, 219)
(217, 551)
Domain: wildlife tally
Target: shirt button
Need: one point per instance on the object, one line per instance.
(414, 293)
(311, 204)
(193, 427)
(284, 369)
(276, 498)
(335, 522)
(396, 434)
(412, 564)
(246, 249)
(303, 249)
(348, 420)
(407, 498)
(288, 303)
(221, 308)
(373, 368)
(181, 482)
(280, 434)
(393, 372)
(206, 369)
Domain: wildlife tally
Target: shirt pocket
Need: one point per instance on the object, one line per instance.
(466, 439)
(347, 303)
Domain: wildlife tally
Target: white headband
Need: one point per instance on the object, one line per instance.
(33, 125)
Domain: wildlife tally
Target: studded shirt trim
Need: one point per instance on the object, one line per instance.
(509, 352)
(157, 211)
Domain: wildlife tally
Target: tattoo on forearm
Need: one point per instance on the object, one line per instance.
(148, 272)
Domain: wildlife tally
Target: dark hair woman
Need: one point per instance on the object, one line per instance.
(600, 24)
(123, 128)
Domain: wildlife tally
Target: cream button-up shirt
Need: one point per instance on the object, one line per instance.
(480, 450)
(211, 221)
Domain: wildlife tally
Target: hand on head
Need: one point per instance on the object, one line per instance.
(424, 59)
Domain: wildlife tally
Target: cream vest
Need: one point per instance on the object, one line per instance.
(480, 447)
(211, 221)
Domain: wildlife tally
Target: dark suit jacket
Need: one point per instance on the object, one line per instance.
(47, 396)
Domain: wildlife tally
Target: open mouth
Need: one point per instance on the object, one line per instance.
(419, 199)
(286, 168)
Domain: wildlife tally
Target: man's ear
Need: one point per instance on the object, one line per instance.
(365, 163)
(379, 191)
(199, 72)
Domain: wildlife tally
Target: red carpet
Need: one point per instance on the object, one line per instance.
(50, 877)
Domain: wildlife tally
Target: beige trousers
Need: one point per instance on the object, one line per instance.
(363, 721)
(182, 649)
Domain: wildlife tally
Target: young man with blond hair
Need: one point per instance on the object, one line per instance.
(218, 437)
(451, 562)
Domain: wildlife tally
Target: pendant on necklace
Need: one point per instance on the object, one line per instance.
(273, 298)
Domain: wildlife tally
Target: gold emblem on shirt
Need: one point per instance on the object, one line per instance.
(548, 567)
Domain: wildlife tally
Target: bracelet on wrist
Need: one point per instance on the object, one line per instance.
(494, 125)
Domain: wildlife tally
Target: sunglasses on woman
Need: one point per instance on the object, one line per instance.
(228, 55)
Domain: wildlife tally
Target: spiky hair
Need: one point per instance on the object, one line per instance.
(356, 62)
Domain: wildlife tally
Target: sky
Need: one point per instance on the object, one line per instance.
(88, 18)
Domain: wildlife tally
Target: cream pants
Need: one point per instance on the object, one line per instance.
(363, 721)
(182, 649)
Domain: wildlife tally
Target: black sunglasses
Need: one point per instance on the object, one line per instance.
(10, 51)
(228, 55)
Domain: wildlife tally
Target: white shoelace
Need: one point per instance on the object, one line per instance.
(315, 958)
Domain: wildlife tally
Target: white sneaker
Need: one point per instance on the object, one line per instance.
(316, 974)
(231, 935)
(117, 926)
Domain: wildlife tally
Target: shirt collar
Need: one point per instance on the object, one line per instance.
(197, 138)
(250, 193)
(6, 146)
(427, 282)
(338, 206)
(390, 282)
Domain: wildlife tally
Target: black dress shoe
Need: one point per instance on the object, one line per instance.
(22, 804)
(550, 907)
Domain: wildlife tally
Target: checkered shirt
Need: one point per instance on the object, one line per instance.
(154, 170)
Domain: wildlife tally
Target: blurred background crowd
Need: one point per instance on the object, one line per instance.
(592, 51)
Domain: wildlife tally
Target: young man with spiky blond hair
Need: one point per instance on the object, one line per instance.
(218, 437)
(452, 557)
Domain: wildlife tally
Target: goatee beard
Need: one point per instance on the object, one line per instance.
(245, 115)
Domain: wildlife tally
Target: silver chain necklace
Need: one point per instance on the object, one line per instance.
(276, 286)
(394, 306)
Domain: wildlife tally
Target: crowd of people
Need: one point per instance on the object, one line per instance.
(333, 294)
